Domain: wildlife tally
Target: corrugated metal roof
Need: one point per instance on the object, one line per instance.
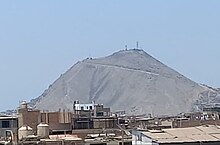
(175, 140)
(217, 135)
(209, 129)
(203, 137)
(158, 135)
(190, 134)
(183, 132)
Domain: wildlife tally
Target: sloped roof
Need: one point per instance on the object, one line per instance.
(190, 134)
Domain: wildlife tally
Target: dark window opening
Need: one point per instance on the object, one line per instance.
(99, 114)
(126, 143)
(5, 124)
(98, 144)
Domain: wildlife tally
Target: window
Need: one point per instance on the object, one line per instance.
(99, 114)
(90, 107)
(5, 124)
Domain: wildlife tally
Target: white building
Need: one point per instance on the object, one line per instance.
(83, 107)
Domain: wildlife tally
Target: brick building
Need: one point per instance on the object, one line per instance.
(57, 121)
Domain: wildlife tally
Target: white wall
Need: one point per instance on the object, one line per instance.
(85, 106)
(138, 138)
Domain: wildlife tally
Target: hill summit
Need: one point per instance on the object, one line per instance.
(129, 80)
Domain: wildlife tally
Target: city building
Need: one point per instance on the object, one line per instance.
(92, 116)
(8, 123)
(205, 135)
(60, 121)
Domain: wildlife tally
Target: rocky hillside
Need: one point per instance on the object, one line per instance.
(129, 80)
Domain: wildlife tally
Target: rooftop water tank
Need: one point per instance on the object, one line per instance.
(43, 130)
(24, 131)
(23, 105)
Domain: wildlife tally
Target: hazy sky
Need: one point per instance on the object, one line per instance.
(39, 40)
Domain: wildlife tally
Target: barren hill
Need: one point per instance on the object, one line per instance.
(129, 80)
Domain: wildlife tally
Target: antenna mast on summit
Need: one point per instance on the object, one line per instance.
(137, 45)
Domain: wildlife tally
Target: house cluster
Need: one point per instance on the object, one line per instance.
(94, 124)
(198, 135)
(197, 128)
(86, 124)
